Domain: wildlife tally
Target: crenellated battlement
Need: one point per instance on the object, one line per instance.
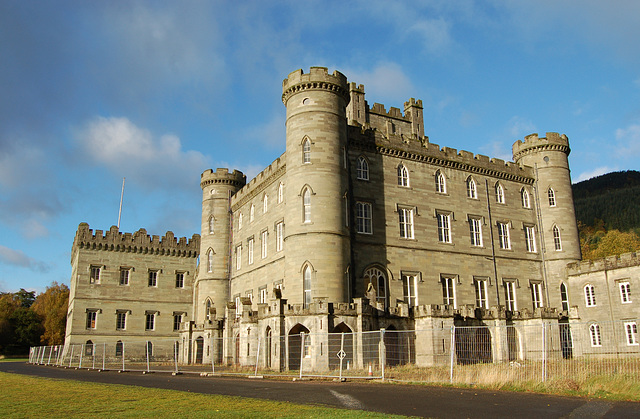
(222, 176)
(139, 242)
(624, 260)
(422, 150)
(259, 183)
(318, 78)
(532, 143)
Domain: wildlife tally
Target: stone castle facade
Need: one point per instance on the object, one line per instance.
(361, 224)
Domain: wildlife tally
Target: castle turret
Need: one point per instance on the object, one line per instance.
(212, 284)
(316, 235)
(556, 214)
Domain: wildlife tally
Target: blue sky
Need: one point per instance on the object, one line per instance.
(159, 91)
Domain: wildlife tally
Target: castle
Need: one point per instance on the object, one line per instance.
(361, 224)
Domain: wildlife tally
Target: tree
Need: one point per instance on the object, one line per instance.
(8, 306)
(51, 306)
(27, 329)
(25, 298)
(615, 242)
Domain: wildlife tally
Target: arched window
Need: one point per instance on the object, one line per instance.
(306, 151)
(524, 194)
(211, 225)
(403, 176)
(210, 260)
(472, 189)
(441, 182)
(119, 348)
(207, 312)
(564, 297)
(265, 203)
(590, 295)
(594, 331)
(375, 278)
(252, 213)
(499, 193)
(552, 197)
(306, 283)
(557, 242)
(280, 192)
(362, 168)
(306, 205)
(88, 348)
(240, 221)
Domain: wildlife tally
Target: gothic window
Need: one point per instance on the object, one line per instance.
(557, 242)
(480, 285)
(625, 292)
(403, 176)
(240, 221)
(306, 282)
(252, 213)
(594, 331)
(590, 295)
(211, 225)
(510, 295)
(410, 288)
(378, 281)
(280, 192)
(306, 151)
(441, 182)
(363, 218)
(306, 205)
(207, 312)
(362, 168)
(499, 193)
(406, 222)
(265, 204)
(448, 290)
(444, 227)
(632, 333)
(564, 297)
(475, 231)
(210, 261)
(264, 243)
(552, 197)
(536, 294)
(503, 235)
(524, 194)
(530, 238)
(472, 189)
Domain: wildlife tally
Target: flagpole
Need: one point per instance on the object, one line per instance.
(120, 210)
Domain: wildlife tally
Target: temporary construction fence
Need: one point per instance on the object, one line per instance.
(489, 355)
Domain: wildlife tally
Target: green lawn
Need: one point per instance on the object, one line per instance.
(24, 396)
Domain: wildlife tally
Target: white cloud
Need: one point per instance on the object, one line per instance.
(386, 81)
(19, 258)
(133, 152)
(435, 34)
(518, 127)
(628, 141)
(593, 173)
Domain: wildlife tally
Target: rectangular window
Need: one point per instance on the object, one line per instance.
(632, 333)
(177, 319)
(410, 287)
(510, 295)
(279, 236)
(263, 237)
(536, 294)
(530, 238)
(263, 295)
(625, 292)
(480, 285)
(406, 222)
(238, 257)
(503, 235)
(475, 230)
(594, 330)
(150, 321)
(238, 306)
(153, 278)
(124, 276)
(92, 316)
(363, 217)
(179, 279)
(444, 227)
(94, 276)
(250, 250)
(448, 290)
(121, 320)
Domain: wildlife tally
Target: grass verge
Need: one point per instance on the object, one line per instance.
(24, 396)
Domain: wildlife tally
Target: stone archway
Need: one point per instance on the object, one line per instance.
(294, 344)
(336, 343)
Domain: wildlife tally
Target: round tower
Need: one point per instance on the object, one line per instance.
(316, 235)
(212, 283)
(556, 213)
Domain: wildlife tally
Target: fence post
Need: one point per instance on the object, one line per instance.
(383, 352)
(257, 356)
(341, 356)
(302, 336)
(50, 353)
(544, 353)
(452, 351)
(146, 351)
(104, 351)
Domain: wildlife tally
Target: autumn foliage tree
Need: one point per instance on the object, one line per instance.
(51, 306)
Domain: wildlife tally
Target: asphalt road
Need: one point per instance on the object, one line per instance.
(410, 400)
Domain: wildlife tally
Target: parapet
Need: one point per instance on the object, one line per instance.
(138, 242)
(318, 78)
(532, 143)
(624, 260)
(259, 183)
(222, 176)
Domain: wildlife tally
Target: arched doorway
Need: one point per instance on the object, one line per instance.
(294, 344)
(236, 355)
(399, 346)
(336, 343)
(473, 344)
(199, 349)
(119, 348)
(88, 348)
(512, 342)
(267, 348)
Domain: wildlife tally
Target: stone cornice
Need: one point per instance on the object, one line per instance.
(320, 85)
(255, 190)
